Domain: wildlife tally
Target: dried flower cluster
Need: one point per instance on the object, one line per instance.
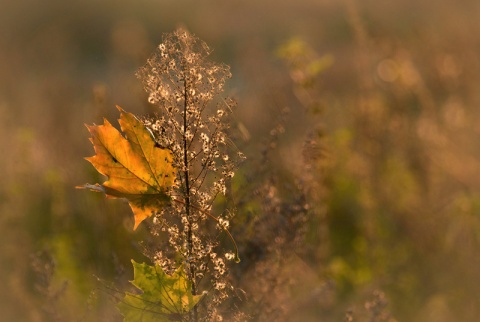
(192, 124)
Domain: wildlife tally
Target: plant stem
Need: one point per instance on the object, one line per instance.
(187, 200)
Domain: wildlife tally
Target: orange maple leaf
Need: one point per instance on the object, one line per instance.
(137, 168)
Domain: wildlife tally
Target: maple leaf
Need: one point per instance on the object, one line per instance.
(137, 168)
(164, 297)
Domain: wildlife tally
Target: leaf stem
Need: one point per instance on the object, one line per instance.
(187, 198)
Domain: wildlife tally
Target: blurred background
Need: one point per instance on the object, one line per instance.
(361, 126)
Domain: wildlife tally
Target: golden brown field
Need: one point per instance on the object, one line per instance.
(360, 196)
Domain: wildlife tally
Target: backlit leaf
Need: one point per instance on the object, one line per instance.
(163, 297)
(137, 169)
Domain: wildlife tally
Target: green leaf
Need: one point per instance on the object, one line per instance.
(163, 297)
